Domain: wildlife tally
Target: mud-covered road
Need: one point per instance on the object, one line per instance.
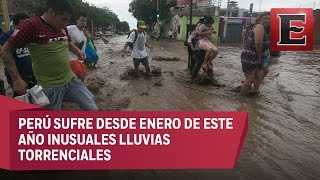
(283, 141)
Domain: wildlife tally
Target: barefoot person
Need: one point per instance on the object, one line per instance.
(138, 40)
(254, 57)
(21, 56)
(205, 32)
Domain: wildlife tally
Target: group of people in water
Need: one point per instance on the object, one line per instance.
(45, 51)
(255, 56)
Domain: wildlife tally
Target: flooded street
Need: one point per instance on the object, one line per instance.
(284, 128)
(283, 140)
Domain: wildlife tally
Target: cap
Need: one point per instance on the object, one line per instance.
(141, 24)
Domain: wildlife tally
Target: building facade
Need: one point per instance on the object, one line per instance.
(180, 22)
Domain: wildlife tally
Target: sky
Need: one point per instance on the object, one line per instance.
(120, 7)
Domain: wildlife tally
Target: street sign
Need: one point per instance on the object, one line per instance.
(251, 8)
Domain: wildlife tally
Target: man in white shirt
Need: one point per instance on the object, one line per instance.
(80, 40)
(137, 40)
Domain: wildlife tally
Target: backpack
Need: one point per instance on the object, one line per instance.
(135, 38)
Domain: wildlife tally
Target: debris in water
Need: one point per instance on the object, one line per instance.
(162, 58)
(205, 79)
(156, 71)
(158, 83)
(144, 94)
(129, 73)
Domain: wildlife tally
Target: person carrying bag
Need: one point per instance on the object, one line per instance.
(91, 53)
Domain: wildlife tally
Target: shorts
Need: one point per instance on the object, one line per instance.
(144, 61)
(79, 68)
(266, 59)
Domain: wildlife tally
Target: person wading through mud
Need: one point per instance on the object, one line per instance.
(139, 53)
(255, 56)
(49, 45)
(21, 56)
(80, 40)
(191, 44)
(204, 33)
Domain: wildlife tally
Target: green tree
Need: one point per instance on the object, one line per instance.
(147, 10)
(102, 17)
(31, 7)
(123, 26)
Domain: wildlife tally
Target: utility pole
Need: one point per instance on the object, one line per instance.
(5, 13)
(92, 33)
(191, 1)
(251, 10)
(158, 8)
(189, 58)
(260, 6)
(226, 21)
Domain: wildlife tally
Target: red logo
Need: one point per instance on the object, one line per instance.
(291, 29)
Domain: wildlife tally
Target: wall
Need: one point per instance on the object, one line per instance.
(198, 2)
(166, 27)
(204, 3)
(10, 7)
(184, 21)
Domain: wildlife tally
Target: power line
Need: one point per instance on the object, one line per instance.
(260, 6)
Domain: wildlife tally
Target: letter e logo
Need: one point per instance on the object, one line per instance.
(291, 29)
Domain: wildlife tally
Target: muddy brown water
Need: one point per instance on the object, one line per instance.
(283, 140)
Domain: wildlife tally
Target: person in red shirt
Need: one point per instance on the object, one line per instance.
(49, 46)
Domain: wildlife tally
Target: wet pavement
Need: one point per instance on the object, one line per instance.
(283, 141)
